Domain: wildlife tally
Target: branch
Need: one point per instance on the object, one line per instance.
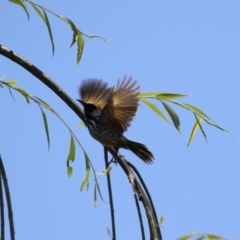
(110, 195)
(8, 197)
(43, 78)
(153, 223)
(152, 220)
(2, 209)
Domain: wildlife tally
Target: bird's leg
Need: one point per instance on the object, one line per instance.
(114, 157)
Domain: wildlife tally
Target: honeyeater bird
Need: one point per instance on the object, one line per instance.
(109, 111)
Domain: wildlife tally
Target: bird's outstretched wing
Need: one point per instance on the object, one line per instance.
(95, 91)
(122, 105)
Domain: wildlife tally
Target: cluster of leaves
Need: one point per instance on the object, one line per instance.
(164, 97)
(201, 236)
(78, 36)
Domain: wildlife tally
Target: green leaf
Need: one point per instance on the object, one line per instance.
(194, 130)
(46, 127)
(24, 93)
(173, 116)
(43, 103)
(46, 21)
(77, 37)
(80, 124)
(201, 128)
(156, 109)
(95, 195)
(195, 110)
(169, 96)
(49, 31)
(22, 4)
(11, 82)
(161, 220)
(214, 237)
(69, 171)
(148, 94)
(71, 154)
(11, 93)
(106, 171)
(80, 44)
(215, 125)
(187, 236)
(87, 174)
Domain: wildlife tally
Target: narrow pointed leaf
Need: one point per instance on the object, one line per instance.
(187, 236)
(24, 93)
(49, 31)
(106, 171)
(43, 103)
(74, 29)
(173, 116)
(148, 94)
(36, 8)
(71, 154)
(77, 38)
(80, 124)
(195, 110)
(194, 130)
(201, 128)
(98, 189)
(87, 174)
(46, 127)
(215, 125)
(80, 44)
(95, 195)
(46, 21)
(156, 109)
(11, 83)
(69, 171)
(11, 94)
(22, 4)
(161, 220)
(169, 96)
(214, 237)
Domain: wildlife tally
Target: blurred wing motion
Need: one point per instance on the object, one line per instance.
(122, 105)
(95, 91)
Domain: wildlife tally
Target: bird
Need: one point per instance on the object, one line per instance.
(109, 111)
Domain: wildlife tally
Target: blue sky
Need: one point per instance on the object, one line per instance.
(189, 47)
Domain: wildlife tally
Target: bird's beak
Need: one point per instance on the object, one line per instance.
(82, 102)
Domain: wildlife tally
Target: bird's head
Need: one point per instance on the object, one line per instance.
(91, 111)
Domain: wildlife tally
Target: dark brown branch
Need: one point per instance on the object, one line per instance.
(110, 196)
(139, 217)
(145, 189)
(2, 209)
(153, 224)
(8, 197)
(42, 77)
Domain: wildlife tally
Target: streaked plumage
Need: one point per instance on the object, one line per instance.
(109, 113)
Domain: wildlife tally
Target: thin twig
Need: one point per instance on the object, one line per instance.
(8, 198)
(140, 217)
(110, 195)
(145, 188)
(2, 209)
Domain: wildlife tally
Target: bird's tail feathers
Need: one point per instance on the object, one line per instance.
(141, 151)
